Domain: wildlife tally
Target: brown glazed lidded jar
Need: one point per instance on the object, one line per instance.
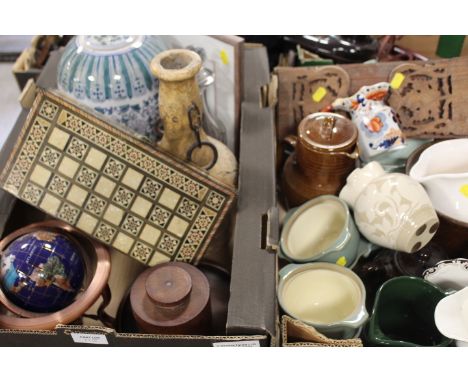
(171, 298)
(325, 154)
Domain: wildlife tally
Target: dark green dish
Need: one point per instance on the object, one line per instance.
(403, 314)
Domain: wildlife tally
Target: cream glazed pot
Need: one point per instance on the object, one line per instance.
(390, 210)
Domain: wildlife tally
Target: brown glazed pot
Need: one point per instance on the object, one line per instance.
(171, 298)
(325, 154)
(98, 266)
(452, 234)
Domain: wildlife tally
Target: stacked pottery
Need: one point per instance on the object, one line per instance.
(390, 210)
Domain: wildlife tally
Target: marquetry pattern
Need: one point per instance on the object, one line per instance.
(117, 190)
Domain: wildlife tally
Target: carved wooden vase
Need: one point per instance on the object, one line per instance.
(181, 109)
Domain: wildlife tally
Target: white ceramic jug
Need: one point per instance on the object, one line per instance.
(443, 171)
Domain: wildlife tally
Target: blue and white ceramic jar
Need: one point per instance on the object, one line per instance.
(111, 75)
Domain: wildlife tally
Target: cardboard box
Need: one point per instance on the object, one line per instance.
(22, 75)
(252, 310)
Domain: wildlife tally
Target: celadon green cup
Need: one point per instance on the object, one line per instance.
(322, 229)
(329, 297)
(403, 314)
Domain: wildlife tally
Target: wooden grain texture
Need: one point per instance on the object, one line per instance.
(297, 88)
(172, 298)
(431, 100)
(368, 74)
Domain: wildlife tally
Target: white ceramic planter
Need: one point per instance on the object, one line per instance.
(390, 210)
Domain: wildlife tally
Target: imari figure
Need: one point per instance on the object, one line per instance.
(377, 122)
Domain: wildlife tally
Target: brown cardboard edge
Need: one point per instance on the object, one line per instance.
(324, 341)
(62, 336)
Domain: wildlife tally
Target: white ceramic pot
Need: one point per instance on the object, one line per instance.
(443, 171)
(390, 210)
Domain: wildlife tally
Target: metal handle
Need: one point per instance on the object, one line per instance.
(195, 121)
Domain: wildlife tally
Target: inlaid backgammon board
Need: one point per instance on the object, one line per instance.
(118, 190)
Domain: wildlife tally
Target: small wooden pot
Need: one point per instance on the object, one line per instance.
(171, 298)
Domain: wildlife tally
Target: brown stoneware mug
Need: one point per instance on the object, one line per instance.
(325, 154)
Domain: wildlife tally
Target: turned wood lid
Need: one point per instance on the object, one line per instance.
(328, 131)
(169, 294)
(176, 65)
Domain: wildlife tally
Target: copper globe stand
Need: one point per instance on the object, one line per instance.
(98, 266)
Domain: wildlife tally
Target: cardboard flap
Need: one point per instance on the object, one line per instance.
(296, 333)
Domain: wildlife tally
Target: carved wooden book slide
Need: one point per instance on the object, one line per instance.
(114, 188)
(431, 99)
(307, 91)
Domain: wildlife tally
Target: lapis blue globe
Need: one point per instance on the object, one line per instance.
(42, 271)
